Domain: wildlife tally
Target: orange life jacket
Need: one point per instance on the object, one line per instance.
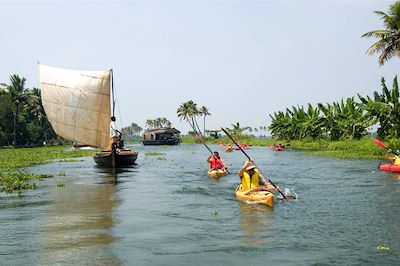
(215, 163)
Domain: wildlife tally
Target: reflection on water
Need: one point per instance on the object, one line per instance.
(169, 212)
(77, 228)
(255, 220)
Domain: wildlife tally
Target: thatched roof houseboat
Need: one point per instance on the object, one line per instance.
(161, 136)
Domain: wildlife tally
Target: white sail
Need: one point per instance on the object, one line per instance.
(77, 103)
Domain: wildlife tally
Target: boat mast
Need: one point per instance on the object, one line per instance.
(113, 110)
(112, 92)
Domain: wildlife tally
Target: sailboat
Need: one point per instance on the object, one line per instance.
(77, 104)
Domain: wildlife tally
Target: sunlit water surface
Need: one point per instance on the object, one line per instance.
(166, 211)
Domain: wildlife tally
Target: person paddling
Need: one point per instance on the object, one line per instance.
(250, 178)
(216, 162)
(395, 159)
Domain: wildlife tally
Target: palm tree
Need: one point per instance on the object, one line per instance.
(204, 112)
(389, 39)
(237, 129)
(17, 93)
(188, 111)
(36, 115)
(150, 123)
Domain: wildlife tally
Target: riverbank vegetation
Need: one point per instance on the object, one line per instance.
(347, 119)
(13, 177)
(363, 148)
(23, 121)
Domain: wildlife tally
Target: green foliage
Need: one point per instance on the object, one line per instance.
(11, 182)
(385, 108)
(153, 153)
(12, 160)
(158, 122)
(189, 112)
(22, 108)
(389, 38)
(344, 120)
(132, 132)
(237, 130)
(363, 148)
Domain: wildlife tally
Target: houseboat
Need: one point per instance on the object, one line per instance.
(161, 136)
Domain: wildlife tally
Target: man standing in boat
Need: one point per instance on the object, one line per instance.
(113, 133)
(250, 178)
(216, 162)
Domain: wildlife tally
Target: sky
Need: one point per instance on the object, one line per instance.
(243, 60)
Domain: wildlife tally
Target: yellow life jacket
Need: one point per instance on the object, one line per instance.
(248, 181)
(396, 160)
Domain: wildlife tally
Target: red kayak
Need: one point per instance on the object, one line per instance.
(389, 167)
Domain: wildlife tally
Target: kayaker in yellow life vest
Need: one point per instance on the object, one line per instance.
(250, 178)
(395, 159)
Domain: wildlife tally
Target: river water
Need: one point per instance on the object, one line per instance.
(166, 211)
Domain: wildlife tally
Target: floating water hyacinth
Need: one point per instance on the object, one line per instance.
(382, 248)
(154, 153)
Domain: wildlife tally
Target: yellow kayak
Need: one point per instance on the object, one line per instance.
(262, 197)
(216, 173)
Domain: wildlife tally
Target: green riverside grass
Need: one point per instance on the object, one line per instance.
(13, 178)
(364, 148)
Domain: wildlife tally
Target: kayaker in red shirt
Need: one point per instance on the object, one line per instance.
(215, 161)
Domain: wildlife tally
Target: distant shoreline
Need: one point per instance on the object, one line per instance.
(364, 148)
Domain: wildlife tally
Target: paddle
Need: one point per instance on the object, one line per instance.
(202, 141)
(284, 196)
(379, 143)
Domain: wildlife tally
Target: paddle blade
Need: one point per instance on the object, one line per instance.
(379, 143)
(289, 197)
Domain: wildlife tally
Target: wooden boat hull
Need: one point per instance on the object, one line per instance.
(161, 142)
(216, 173)
(261, 197)
(121, 158)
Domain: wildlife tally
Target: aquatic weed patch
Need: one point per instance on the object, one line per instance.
(154, 153)
(13, 179)
(15, 182)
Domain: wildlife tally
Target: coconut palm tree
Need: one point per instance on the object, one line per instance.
(17, 93)
(389, 38)
(188, 111)
(150, 123)
(204, 112)
(237, 129)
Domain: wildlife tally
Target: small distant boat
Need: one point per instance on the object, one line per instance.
(229, 149)
(77, 104)
(216, 173)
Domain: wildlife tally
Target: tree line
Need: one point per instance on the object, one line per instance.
(347, 119)
(23, 121)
